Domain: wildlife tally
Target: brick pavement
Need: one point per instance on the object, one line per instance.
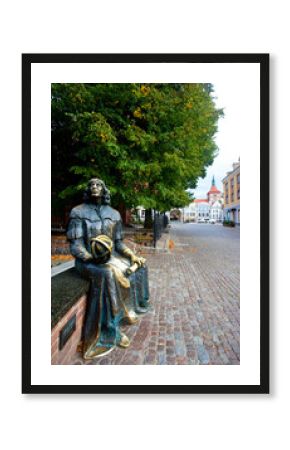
(194, 290)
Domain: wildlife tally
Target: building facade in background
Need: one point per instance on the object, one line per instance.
(231, 185)
(215, 200)
(205, 208)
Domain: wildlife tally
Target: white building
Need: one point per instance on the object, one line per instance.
(216, 211)
(207, 208)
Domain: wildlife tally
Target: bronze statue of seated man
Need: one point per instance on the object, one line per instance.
(119, 278)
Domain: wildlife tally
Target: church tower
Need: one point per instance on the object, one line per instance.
(213, 194)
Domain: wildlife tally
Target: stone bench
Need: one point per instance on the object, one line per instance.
(68, 305)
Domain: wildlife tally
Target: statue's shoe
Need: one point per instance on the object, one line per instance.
(97, 352)
(124, 341)
(132, 318)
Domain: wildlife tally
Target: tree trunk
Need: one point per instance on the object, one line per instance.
(148, 223)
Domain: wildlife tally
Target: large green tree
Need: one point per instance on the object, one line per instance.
(149, 142)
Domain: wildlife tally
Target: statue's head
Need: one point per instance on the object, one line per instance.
(96, 189)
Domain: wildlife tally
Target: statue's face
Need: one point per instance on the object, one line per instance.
(96, 188)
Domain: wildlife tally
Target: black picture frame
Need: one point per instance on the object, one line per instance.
(27, 61)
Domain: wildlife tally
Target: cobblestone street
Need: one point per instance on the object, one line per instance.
(194, 291)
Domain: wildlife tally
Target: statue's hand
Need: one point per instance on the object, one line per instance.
(138, 260)
(88, 257)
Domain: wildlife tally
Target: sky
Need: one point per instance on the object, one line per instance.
(226, 97)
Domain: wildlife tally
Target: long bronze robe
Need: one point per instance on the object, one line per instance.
(113, 295)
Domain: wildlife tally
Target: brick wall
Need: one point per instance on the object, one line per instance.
(59, 245)
(67, 355)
